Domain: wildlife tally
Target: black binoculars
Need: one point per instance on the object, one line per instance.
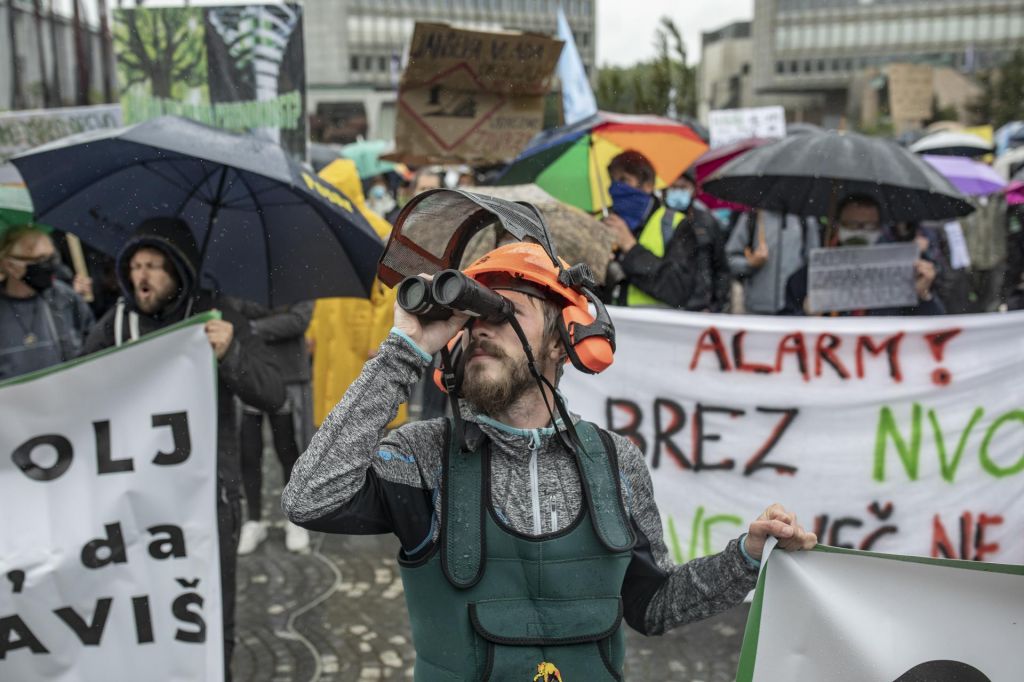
(451, 291)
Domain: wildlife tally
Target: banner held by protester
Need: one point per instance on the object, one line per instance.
(237, 67)
(846, 616)
(889, 434)
(107, 483)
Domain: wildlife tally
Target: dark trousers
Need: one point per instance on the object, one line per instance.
(285, 445)
(229, 515)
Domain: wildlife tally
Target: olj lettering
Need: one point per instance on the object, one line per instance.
(29, 455)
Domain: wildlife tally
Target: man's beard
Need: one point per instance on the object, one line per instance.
(493, 397)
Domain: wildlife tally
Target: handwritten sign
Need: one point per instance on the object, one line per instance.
(470, 96)
(891, 434)
(862, 277)
(733, 125)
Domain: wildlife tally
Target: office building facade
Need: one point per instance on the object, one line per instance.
(821, 45)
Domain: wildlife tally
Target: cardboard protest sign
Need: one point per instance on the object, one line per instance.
(108, 548)
(861, 277)
(471, 96)
(237, 67)
(727, 126)
(893, 434)
(848, 616)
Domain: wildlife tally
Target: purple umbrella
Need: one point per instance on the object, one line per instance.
(968, 176)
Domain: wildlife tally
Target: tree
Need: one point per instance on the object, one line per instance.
(163, 47)
(1002, 97)
(664, 85)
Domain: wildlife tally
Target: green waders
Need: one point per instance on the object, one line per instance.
(489, 604)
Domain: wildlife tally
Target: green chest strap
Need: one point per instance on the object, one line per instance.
(463, 537)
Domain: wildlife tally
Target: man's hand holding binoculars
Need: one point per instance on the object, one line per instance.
(430, 335)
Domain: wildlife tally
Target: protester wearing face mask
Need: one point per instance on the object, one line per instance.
(43, 322)
(660, 249)
(379, 198)
(859, 223)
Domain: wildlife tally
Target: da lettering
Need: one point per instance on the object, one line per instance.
(166, 542)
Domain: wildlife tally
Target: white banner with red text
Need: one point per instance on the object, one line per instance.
(893, 434)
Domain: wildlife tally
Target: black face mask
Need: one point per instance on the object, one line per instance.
(40, 276)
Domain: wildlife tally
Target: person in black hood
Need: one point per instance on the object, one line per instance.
(157, 271)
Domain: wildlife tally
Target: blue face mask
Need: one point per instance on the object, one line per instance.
(629, 203)
(378, 192)
(722, 215)
(678, 198)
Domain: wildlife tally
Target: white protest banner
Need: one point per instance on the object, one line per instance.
(23, 130)
(727, 126)
(108, 542)
(896, 434)
(847, 616)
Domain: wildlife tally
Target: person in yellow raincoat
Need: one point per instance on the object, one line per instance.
(345, 332)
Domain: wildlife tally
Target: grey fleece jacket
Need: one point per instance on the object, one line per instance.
(355, 478)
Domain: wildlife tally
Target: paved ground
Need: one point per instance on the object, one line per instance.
(337, 614)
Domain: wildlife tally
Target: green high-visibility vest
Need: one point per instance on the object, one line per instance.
(487, 603)
(656, 234)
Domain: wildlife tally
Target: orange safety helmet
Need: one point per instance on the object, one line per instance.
(589, 340)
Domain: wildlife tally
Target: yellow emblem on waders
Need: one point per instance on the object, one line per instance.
(547, 672)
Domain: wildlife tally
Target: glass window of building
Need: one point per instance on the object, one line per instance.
(783, 38)
(890, 33)
(969, 28)
(367, 63)
(849, 34)
(353, 63)
(794, 66)
(1015, 23)
(382, 63)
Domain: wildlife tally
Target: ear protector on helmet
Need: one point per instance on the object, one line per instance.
(588, 339)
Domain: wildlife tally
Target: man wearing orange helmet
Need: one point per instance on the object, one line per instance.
(530, 536)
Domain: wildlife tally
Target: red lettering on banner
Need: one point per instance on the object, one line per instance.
(889, 346)
(711, 340)
(741, 364)
(793, 344)
(825, 351)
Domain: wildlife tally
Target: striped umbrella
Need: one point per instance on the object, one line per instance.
(571, 163)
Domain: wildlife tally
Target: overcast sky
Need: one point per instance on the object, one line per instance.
(625, 28)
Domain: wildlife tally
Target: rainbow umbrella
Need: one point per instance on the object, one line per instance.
(571, 163)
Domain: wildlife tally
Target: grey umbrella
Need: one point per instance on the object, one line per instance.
(808, 174)
(269, 230)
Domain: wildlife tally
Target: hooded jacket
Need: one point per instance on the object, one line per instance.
(764, 288)
(247, 370)
(346, 331)
(354, 479)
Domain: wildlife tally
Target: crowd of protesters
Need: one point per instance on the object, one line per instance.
(283, 369)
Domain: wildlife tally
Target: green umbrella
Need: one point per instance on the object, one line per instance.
(15, 208)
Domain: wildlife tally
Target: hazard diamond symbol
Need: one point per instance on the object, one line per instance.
(451, 106)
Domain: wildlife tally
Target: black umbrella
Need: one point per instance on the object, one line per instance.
(808, 174)
(268, 230)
